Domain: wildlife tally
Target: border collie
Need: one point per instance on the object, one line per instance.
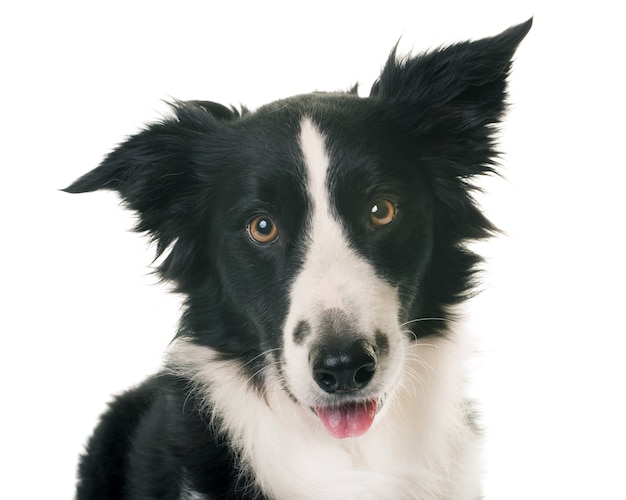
(320, 244)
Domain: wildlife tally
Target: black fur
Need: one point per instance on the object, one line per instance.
(196, 178)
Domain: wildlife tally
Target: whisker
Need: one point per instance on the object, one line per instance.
(416, 382)
(420, 344)
(419, 320)
(261, 354)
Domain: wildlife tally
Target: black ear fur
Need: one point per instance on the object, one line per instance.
(443, 75)
(449, 100)
(162, 174)
(464, 83)
(219, 110)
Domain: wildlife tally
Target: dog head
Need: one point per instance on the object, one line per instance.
(318, 237)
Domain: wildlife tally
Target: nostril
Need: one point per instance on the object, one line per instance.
(364, 374)
(343, 369)
(326, 381)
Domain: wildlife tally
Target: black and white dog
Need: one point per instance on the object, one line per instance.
(320, 245)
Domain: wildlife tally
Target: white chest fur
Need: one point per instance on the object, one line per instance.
(421, 446)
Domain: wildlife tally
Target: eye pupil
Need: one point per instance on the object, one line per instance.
(264, 226)
(379, 211)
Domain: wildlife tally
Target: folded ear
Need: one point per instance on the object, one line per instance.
(467, 79)
(163, 173)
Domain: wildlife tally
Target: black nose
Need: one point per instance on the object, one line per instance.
(343, 369)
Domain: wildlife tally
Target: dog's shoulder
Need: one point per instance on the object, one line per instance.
(155, 441)
(103, 466)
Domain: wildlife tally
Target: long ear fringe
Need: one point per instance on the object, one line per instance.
(444, 73)
(157, 175)
(452, 100)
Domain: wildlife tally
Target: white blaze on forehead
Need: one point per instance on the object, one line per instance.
(316, 161)
(326, 241)
(333, 276)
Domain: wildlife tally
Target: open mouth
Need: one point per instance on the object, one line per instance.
(350, 419)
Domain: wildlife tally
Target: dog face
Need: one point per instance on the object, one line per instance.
(315, 239)
(324, 248)
(318, 249)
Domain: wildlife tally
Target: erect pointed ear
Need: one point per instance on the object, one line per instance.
(164, 174)
(469, 77)
(448, 102)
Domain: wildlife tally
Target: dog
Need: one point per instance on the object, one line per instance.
(321, 247)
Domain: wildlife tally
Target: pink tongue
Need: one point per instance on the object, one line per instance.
(351, 420)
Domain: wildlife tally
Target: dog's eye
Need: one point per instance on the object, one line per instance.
(382, 212)
(262, 229)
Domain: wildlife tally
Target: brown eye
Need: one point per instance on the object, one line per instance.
(262, 229)
(382, 212)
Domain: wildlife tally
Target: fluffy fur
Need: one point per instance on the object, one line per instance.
(320, 245)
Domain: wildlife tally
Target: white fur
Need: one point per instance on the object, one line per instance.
(421, 448)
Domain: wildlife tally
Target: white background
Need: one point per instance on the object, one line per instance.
(81, 317)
